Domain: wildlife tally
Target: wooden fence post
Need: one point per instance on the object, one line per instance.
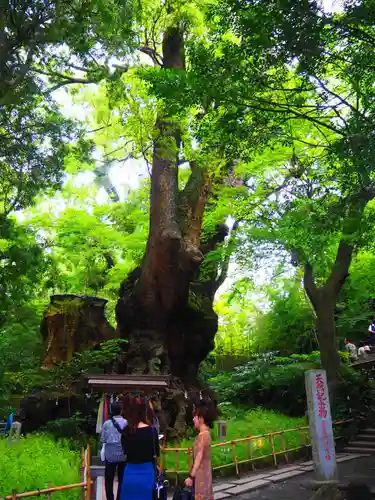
(82, 472)
(49, 496)
(14, 494)
(88, 472)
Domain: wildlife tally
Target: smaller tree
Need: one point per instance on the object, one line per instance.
(288, 326)
(23, 270)
(271, 82)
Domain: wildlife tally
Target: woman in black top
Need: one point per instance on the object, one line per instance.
(141, 445)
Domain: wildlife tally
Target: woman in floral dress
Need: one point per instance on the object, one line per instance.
(201, 473)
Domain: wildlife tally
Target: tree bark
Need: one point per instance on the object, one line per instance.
(165, 309)
(325, 322)
(323, 300)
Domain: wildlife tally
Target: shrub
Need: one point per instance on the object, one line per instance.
(271, 384)
(35, 462)
(279, 384)
(355, 395)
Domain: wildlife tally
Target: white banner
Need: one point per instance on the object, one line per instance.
(321, 432)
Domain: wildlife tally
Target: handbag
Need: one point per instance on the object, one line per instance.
(184, 494)
(160, 491)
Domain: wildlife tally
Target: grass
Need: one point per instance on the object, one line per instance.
(240, 425)
(35, 462)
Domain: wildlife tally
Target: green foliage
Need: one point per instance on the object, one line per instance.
(279, 384)
(91, 246)
(286, 325)
(356, 300)
(65, 375)
(236, 310)
(355, 396)
(22, 264)
(75, 430)
(271, 384)
(36, 462)
(289, 325)
(279, 113)
(20, 339)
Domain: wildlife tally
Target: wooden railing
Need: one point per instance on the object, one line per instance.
(248, 450)
(85, 486)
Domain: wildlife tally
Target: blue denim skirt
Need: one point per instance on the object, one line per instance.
(138, 482)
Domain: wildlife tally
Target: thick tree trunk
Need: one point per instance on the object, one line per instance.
(165, 309)
(325, 322)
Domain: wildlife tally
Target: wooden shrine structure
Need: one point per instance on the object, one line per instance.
(122, 384)
(119, 384)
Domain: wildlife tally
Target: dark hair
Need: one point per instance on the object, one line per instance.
(126, 401)
(136, 412)
(150, 414)
(116, 409)
(208, 412)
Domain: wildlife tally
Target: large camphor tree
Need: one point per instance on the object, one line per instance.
(165, 309)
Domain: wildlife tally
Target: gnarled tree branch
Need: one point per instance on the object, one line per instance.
(309, 284)
(193, 201)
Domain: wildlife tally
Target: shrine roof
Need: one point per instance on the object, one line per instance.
(127, 383)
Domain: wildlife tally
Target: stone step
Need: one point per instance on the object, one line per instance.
(367, 437)
(362, 444)
(355, 449)
(368, 431)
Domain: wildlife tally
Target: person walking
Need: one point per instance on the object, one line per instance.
(114, 456)
(141, 444)
(200, 477)
(351, 349)
(371, 332)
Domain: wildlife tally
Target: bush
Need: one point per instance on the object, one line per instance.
(279, 384)
(355, 395)
(35, 462)
(75, 429)
(275, 384)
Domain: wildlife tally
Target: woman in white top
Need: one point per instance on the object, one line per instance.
(114, 457)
